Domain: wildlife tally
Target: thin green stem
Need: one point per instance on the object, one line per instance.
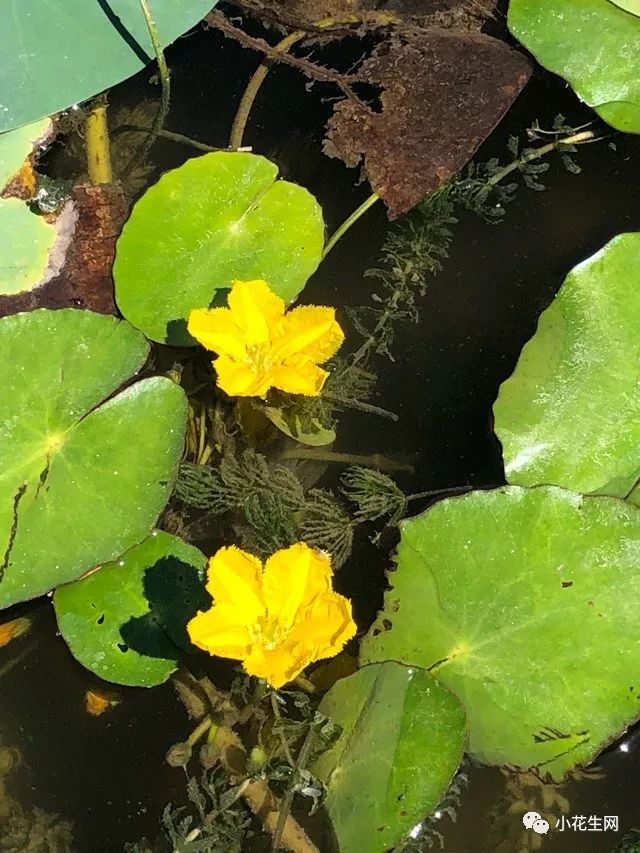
(431, 493)
(375, 460)
(165, 83)
(360, 406)
(287, 800)
(574, 139)
(7, 667)
(201, 729)
(179, 138)
(349, 221)
(283, 741)
(253, 86)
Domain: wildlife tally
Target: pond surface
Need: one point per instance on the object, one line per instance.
(107, 774)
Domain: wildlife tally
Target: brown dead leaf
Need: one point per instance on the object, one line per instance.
(79, 271)
(443, 92)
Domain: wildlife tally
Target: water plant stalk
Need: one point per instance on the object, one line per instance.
(96, 136)
(258, 78)
(165, 96)
(574, 139)
(287, 800)
(178, 138)
(375, 460)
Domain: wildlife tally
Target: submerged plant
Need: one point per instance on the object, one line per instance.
(276, 619)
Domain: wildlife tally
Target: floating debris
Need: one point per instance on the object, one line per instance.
(98, 701)
(13, 629)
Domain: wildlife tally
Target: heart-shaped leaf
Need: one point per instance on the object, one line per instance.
(115, 620)
(570, 413)
(523, 603)
(593, 44)
(81, 479)
(54, 54)
(219, 217)
(401, 743)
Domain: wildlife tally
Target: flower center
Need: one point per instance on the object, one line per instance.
(258, 356)
(268, 633)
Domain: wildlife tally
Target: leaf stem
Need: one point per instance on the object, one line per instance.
(283, 740)
(360, 406)
(96, 134)
(165, 96)
(574, 139)
(179, 138)
(287, 800)
(253, 86)
(349, 221)
(201, 729)
(375, 460)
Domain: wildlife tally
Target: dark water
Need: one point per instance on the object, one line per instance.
(107, 775)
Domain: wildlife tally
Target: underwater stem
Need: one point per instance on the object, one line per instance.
(201, 729)
(165, 83)
(360, 406)
(258, 796)
(179, 138)
(258, 78)
(253, 87)
(375, 460)
(287, 800)
(96, 136)
(349, 221)
(574, 139)
(283, 740)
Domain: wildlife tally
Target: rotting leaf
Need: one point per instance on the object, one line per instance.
(443, 93)
(78, 273)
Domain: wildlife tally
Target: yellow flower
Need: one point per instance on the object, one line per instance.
(277, 619)
(260, 347)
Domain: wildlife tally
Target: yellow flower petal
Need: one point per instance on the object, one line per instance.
(292, 578)
(278, 666)
(234, 578)
(255, 309)
(215, 330)
(241, 380)
(305, 378)
(327, 623)
(218, 632)
(310, 331)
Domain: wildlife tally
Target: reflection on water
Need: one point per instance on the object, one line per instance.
(105, 773)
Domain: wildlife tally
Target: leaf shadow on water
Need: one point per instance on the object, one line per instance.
(175, 594)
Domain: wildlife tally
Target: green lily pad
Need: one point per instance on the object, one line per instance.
(26, 242)
(570, 413)
(523, 603)
(16, 146)
(219, 217)
(54, 54)
(593, 44)
(114, 619)
(402, 741)
(81, 480)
